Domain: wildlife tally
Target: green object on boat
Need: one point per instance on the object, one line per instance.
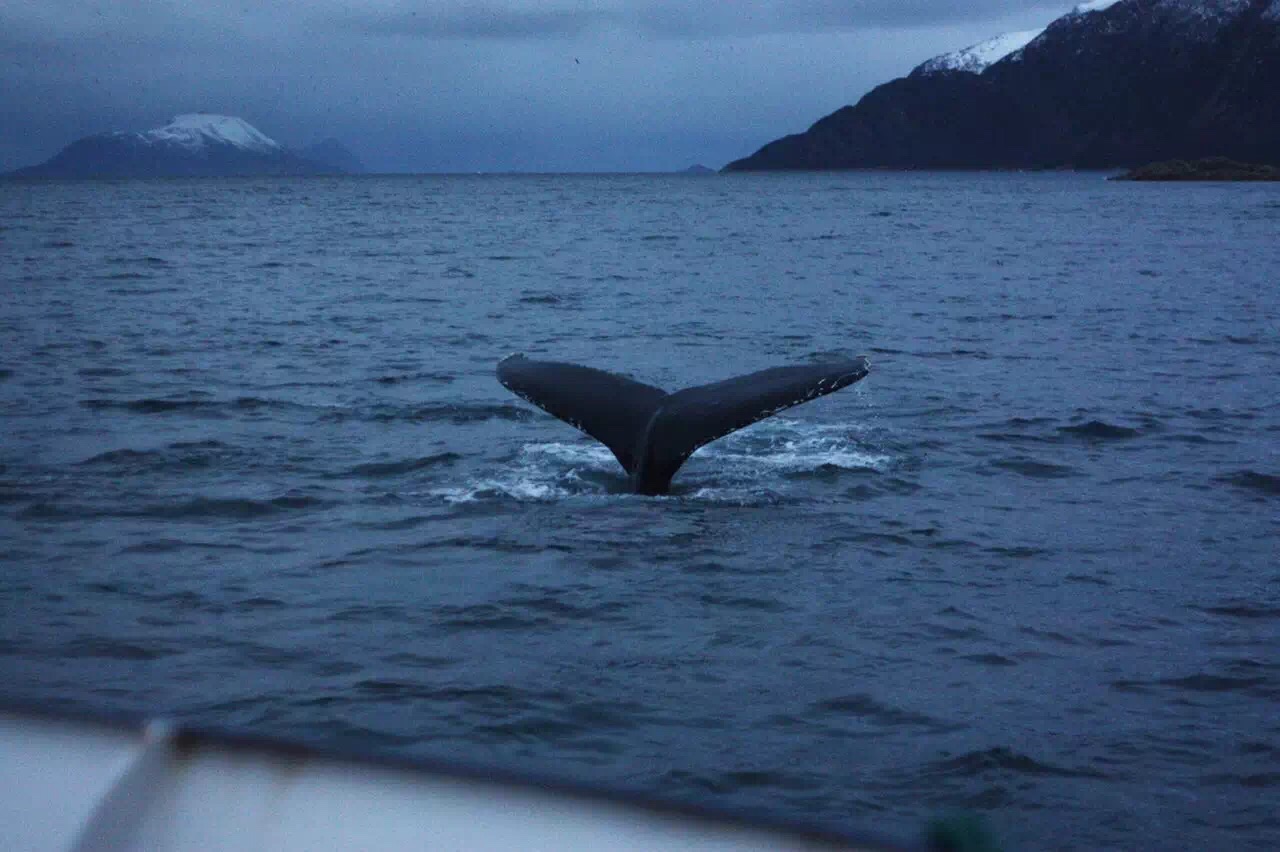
(961, 833)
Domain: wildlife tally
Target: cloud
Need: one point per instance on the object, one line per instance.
(510, 84)
(754, 17)
(670, 18)
(482, 21)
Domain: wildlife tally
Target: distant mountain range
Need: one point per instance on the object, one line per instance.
(332, 153)
(193, 145)
(1112, 83)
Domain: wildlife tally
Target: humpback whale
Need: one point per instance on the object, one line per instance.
(652, 432)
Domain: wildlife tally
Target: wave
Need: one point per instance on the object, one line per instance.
(171, 545)
(1243, 610)
(1249, 480)
(43, 510)
(124, 457)
(1218, 415)
(1018, 438)
(439, 412)
(1035, 469)
(1003, 760)
(735, 781)
(210, 444)
(1098, 430)
(382, 469)
(989, 659)
(865, 707)
(10, 491)
(536, 297)
(101, 372)
(234, 508)
(194, 509)
(486, 617)
(1194, 439)
(146, 260)
(180, 455)
(114, 649)
(443, 378)
(1193, 683)
(1033, 430)
(168, 405)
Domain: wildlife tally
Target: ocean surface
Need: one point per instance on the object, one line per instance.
(256, 473)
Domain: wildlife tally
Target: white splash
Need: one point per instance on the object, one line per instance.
(748, 467)
(791, 446)
(519, 489)
(541, 473)
(592, 455)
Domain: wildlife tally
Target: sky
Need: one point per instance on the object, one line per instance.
(488, 85)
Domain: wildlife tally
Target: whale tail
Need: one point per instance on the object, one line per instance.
(651, 432)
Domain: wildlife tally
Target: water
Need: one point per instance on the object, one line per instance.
(256, 472)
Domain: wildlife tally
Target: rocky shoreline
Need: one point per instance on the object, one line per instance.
(1209, 169)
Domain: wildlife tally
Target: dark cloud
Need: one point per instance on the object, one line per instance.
(480, 21)
(507, 85)
(673, 18)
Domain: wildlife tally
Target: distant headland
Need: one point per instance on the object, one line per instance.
(191, 145)
(1111, 84)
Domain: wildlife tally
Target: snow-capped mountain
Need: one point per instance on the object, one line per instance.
(191, 145)
(977, 58)
(199, 130)
(1111, 83)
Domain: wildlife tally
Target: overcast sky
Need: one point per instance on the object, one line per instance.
(495, 85)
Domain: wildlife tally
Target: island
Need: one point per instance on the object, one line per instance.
(191, 145)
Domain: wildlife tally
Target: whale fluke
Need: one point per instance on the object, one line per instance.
(651, 432)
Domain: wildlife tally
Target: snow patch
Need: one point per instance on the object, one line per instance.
(977, 58)
(198, 130)
(1094, 6)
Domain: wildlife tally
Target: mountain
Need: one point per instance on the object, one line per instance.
(330, 152)
(194, 145)
(1112, 83)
